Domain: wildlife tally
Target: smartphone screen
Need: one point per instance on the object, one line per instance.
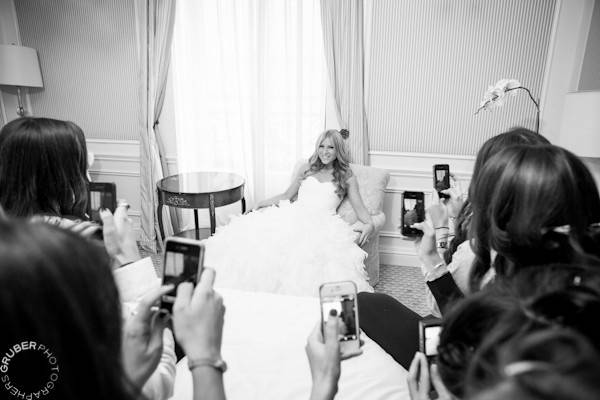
(345, 306)
(441, 178)
(413, 210)
(101, 195)
(431, 336)
(341, 297)
(182, 263)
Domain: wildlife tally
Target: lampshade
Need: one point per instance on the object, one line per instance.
(580, 128)
(19, 66)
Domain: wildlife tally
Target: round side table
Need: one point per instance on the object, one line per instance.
(199, 190)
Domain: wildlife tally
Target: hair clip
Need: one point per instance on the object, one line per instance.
(524, 367)
(345, 133)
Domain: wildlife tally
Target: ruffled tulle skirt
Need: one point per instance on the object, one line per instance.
(290, 249)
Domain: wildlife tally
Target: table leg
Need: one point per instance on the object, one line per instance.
(243, 205)
(211, 209)
(160, 221)
(197, 229)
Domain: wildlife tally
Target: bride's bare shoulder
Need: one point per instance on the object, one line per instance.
(302, 170)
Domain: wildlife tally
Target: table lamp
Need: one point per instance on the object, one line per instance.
(580, 128)
(20, 67)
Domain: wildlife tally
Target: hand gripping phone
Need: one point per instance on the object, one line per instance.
(429, 338)
(101, 195)
(341, 297)
(183, 262)
(441, 179)
(413, 210)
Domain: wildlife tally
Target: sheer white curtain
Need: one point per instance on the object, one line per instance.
(249, 81)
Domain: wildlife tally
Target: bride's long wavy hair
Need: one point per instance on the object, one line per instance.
(341, 164)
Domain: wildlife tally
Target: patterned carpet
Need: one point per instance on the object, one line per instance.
(403, 283)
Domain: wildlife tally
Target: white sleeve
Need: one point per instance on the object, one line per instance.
(160, 384)
(460, 268)
(136, 279)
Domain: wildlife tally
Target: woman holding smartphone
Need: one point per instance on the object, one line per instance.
(57, 290)
(43, 176)
(294, 247)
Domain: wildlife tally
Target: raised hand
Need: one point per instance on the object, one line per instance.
(457, 198)
(198, 316)
(142, 338)
(419, 381)
(119, 236)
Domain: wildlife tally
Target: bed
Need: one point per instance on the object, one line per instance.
(263, 343)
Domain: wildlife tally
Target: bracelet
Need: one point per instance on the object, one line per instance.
(217, 363)
(441, 227)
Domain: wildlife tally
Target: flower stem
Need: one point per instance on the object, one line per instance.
(537, 106)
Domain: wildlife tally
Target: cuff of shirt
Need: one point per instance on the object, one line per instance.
(437, 271)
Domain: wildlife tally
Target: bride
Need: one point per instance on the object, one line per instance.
(292, 248)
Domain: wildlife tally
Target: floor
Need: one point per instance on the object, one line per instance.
(405, 284)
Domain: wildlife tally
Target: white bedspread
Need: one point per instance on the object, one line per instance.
(263, 344)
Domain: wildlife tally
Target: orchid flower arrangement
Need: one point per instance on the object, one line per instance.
(495, 96)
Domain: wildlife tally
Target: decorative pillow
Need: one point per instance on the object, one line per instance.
(371, 185)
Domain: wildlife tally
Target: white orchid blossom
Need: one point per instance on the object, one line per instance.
(495, 95)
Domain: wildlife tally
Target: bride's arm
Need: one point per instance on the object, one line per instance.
(289, 194)
(361, 211)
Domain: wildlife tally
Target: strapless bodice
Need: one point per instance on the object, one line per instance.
(318, 195)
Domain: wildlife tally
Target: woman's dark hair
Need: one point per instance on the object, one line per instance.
(533, 205)
(575, 308)
(515, 136)
(43, 165)
(57, 290)
(545, 365)
(464, 327)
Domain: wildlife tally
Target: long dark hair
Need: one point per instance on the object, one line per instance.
(464, 327)
(341, 164)
(43, 165)
(57, 289)
(552, 364)
(492, 146)
(573, 309)
(534, 205)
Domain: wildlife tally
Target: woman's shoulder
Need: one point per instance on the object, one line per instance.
(302, 170)
(350, 177)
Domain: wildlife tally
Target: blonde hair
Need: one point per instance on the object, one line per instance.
(341, 164)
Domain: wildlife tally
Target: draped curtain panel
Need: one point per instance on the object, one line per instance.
(154, 27)
(249, 86)
(342, 22)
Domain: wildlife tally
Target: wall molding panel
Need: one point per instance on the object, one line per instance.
(118, 161)
(411, 172)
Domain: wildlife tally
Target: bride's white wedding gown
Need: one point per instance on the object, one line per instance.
(290, 249)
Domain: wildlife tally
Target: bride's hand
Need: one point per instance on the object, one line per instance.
(365, 233)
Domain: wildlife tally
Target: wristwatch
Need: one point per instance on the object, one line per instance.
(216, 363)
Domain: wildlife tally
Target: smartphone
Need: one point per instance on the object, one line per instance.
(429, 339)
(101, 195)
(183, 262)
(341, 296)
(441, 179)
(413, 210)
